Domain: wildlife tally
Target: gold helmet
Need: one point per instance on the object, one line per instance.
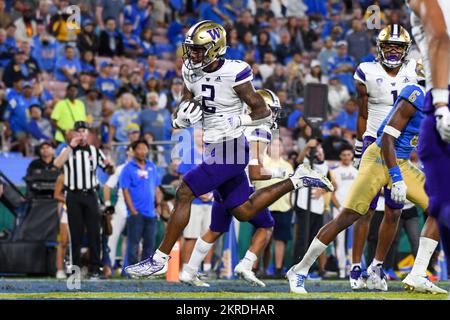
(393, 35)
(206, 38)
(272, 101)
(420, 72)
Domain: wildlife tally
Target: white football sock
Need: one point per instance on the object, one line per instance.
(206, 267)
(376, 262)
(426, 249)
(314, 251)
(356, 265)
(160, 256)
(199, 253)
(249, 260)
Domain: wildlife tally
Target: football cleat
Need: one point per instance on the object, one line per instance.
(192, 279)
(147, 268)
(296, 281)
(377, 279)
(304, 176)
(248, 275)
(421, 284)
(358, 278)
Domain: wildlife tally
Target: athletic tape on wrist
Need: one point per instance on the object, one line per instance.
(392, 131)
(440, 96)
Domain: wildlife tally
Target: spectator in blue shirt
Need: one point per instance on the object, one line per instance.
(39, 128)
(28, 98)
(44, 51)
(154, 119)
(335, 27)
(348, 117)
(343, 66)
(316, 7)
(139, 16)
(107, 85)
(131, 41)
(146, 42)
(236, 50)
(151, 70)
(16, 111)
(215, 12)
(68, 66)
(121, 119)
(140, 184)
(292, 122)
(88, 62)
(6, 50)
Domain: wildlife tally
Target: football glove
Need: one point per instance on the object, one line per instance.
(189, 113)
(398, 191)
(442, 115)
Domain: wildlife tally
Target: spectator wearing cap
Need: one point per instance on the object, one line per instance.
(335, 27)
(135, 86)
(5, 17)
(67, 112)
(155, 119)
(44, 48)
(108, 9)
(126, 113)
(20, 67)
(358, 40)
(315, 74)
(286, 49)
(111, 44)
(131, 42)
(87, 40)
(46, 155)
(68, 66)
(25, 25)
(133, 133)
(28, 94)
(93, 105)
(107, 85)
(6, 50)
(175, 94)
(138, 14)
(342, 65)
(80, 161)
(139, 182)
(333, 144)
(39, 128)
(296, 114)
(338, 94)
(348, 117)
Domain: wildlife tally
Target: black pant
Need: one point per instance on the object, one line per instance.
(84, 214)
(314, 225)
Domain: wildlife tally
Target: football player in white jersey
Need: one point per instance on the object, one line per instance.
(430, 22)
(224, 87)
(259, 138)
(378, 85)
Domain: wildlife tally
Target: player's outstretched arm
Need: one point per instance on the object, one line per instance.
(399, 119)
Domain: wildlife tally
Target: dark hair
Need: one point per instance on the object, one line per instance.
(138, 142)
(109, 18)
(346, 147)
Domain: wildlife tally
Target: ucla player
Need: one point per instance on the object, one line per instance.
(430, 23)
(378, 85)
(259, 138)
(385, 162)
(223, 87)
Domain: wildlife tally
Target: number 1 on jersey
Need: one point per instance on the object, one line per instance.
(394, 95)
(210, 97)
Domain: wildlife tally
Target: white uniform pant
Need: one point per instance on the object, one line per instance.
(118, 222)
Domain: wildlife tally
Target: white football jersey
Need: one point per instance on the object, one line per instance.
(420, 37)
(219, 97)
(344, 176)
(383, 90)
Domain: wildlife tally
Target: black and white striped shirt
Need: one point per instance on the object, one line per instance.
(80, 169)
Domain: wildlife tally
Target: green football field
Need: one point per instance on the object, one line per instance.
(220, 289)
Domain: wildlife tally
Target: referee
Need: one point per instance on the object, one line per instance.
(80, 161)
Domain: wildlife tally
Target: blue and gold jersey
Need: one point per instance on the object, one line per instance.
(407, 141)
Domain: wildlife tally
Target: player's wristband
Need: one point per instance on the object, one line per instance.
(395, 174)
(440, 96)
(358, 146)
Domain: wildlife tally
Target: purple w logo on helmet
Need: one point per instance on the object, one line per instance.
(214, 33)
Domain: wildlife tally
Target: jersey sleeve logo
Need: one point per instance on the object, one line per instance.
(413, 96)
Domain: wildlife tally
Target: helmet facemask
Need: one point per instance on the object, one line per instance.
(392, 54)
(189, 52)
